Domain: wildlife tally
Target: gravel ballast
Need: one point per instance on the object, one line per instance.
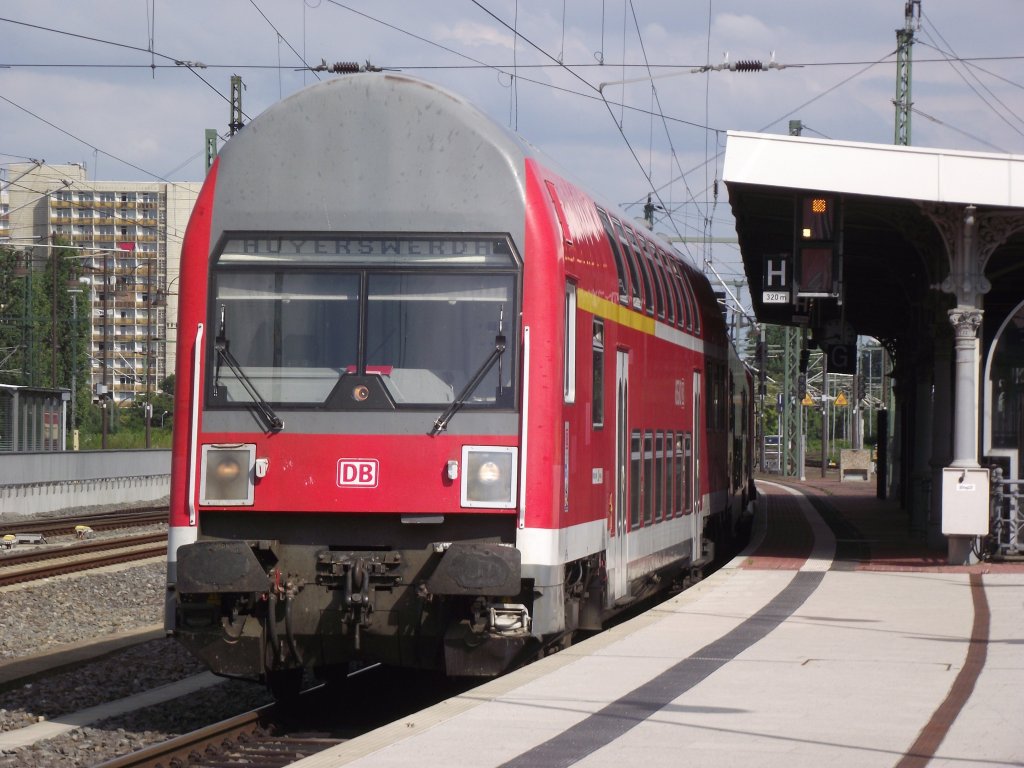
(71, 609)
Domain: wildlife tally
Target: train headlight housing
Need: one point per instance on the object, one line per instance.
(489, 476)
(228, 474)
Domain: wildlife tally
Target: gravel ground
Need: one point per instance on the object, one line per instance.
(82, 607)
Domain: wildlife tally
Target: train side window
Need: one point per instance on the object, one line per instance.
(634, 270)
(657, 278)
(684, 303)
(659, 476)
(675, 303)
(620, 267)
(686, 459)
(569, 356)
(597, 390)
(649, 477)
(724, 415)
(679, 475)
(635, 495)
(693, 304)
(645, 276)
(732, 401)
(664, 302)
(712, 401)
(690, 308)
(671, 497)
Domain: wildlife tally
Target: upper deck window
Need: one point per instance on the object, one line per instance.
(632, 262)
(620, 266)
(641, 261)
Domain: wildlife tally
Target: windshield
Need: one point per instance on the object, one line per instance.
(296, 330)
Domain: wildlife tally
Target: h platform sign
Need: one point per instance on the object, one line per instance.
(776, 279)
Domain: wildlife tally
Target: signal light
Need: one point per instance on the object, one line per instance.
(816, 234)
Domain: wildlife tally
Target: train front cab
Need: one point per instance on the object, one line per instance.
(356, 492)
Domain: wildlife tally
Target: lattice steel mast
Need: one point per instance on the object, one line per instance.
(904, 62)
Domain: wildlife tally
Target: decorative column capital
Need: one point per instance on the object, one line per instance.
(965, 321)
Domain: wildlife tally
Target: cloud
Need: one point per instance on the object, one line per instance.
(473, 35)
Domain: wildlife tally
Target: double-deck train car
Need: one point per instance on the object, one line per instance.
(436, 407)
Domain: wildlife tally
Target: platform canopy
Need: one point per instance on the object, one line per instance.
(899, 209)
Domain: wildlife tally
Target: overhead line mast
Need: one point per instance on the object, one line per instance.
(904, 61)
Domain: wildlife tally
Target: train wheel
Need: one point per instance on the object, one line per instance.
(285, 684)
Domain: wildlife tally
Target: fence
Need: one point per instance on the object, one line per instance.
(1006, 534)
(44, 482)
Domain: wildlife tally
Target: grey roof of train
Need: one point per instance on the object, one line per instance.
(371, 152)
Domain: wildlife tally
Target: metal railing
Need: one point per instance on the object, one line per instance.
(1006, 529)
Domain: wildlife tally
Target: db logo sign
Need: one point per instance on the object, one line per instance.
(358, 473)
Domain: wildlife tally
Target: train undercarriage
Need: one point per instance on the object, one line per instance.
(267, 610)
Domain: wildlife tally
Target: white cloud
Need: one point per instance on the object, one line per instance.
(473, 34)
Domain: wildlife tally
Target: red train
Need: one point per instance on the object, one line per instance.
(436, 407)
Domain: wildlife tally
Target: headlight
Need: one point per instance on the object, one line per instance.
(489, 476)
(227, 474)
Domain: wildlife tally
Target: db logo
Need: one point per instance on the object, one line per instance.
(358, 473)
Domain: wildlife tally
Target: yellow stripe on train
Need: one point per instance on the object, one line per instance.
(609, 310)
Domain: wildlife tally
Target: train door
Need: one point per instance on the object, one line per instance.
(617, 552)
(696, 488)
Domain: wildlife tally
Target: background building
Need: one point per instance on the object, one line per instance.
(128, 237)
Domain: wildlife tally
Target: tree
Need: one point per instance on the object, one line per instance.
(40, 342)
(12, 317)
(62, 338)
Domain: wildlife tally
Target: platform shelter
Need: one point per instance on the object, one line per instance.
(33, 418)
(922, 249)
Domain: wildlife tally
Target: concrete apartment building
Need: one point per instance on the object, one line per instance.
(128, 237)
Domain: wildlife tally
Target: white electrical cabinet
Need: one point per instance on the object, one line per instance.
(965, 501)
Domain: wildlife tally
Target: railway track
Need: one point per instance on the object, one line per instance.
(321, 717)
(260, 738)
(105, 521)
(18, 568)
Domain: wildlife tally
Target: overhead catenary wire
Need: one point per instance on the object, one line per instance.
(191, 66)
(282, 37)
(953, 62)
(523, 66)
(688, 68)
(83, 141)
(540, 50)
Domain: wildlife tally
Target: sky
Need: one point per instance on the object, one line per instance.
(117, 84)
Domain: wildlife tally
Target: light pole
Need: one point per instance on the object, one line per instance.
(105, 418)
(74, 365)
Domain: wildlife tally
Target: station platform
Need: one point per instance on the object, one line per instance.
(833, 640)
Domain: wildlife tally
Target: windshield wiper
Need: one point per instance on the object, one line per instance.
(270, 419)
(442, 420)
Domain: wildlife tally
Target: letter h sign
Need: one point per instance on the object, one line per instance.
(776, 279)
